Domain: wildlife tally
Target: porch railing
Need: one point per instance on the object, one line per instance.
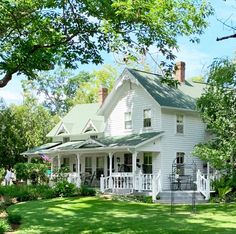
(129, 182)
(203, 185)
(156, 185)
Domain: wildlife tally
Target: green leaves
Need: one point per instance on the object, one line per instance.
(36, 35)
(218, 110)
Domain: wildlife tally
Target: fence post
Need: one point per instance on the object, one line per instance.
(102, 184)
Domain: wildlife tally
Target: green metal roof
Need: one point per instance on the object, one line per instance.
(165, 95)
(128, 140)
(41, 148)
(77, 118)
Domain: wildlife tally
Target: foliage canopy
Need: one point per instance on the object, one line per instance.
(38, 34)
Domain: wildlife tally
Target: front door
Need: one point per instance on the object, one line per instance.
(127, 162)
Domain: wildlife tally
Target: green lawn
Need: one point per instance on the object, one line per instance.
(95, 215)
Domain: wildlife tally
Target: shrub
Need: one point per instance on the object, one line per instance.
(35, 172)
(87, 191)
(4, 226)
(65, 189)
(14, 218)
(27, 192)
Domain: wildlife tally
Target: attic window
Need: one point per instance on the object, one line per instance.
(93, 136)
(128, 120)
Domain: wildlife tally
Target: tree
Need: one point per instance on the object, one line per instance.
(23, 127)
(57, 89)
(38, 34)
(88, 91)
(218, 110)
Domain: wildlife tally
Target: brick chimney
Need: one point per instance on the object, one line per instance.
(102, 94)
(180, 71)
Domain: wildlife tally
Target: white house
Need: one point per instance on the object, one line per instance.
(135, 139)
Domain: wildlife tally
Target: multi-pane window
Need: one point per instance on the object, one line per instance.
(88, 165)
(147, 163)
(128, 120)
(66, 162)
(179, 124)
(147, 114)
(180, 163)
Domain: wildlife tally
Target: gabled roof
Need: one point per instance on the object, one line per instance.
(77, 118)
(183, 97)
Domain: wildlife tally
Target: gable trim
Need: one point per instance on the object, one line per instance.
(62, 126)
(87, 125)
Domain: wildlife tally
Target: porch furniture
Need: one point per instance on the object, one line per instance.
(181, 182)
(87, 178)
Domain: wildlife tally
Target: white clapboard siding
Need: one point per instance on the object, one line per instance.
(135, 99)
(194, 133)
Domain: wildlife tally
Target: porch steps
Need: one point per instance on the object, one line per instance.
(181, 197)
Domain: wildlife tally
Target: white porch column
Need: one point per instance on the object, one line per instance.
(29, 159)
(208, 170)
(78, 170)
(59, 161)
(51, 167)
(134, 161)
(110, 170)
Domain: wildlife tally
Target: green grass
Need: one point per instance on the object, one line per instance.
(96, 215)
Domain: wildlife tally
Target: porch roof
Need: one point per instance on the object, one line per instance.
(104, 143)
(128, 140)
(40, 148)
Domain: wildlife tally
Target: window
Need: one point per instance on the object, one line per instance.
(66, 139)
(88, 165)
(147, 163)
(128, 120)
(93, 137)
(127, 162)
(66, 162)
(180, 163)
(179, 124)
(99, 167)
(147, 118)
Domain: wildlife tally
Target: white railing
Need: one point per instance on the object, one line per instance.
(128, 182)
(74, 179)
(203, 185)
(156, 185)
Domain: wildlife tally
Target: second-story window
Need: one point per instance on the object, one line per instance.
(180, 124)
(147, 121)
(128, 120)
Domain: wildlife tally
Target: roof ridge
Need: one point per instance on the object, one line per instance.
(150, 73)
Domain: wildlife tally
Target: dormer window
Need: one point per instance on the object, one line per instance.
(180, 124)
(66, 139)
(147, 121)
(128, 120)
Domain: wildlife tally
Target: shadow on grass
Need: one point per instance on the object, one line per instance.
(94, 215)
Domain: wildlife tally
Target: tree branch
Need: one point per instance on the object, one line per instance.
(4, 81)
(226, 37)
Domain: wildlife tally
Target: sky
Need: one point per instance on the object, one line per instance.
(197, 57)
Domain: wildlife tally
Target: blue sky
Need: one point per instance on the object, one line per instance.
(196, 56)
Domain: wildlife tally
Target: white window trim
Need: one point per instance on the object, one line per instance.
(176, 116)
(128, 129)
(145, 108)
